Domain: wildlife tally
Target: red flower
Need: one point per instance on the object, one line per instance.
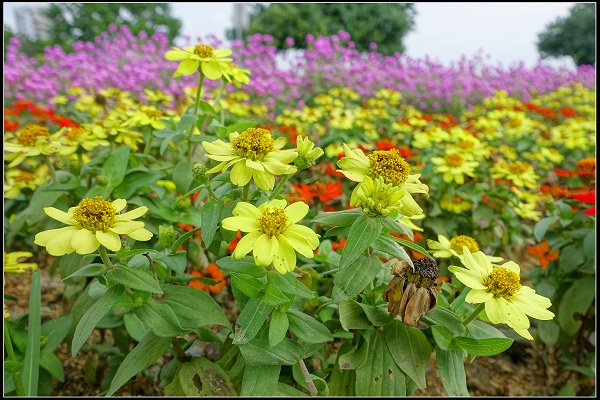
(328, 191)
(331, 171)
(10, 125)
(568, 112)
(234, 242)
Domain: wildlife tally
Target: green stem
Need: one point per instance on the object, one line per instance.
(11, 356)
(148, 142)
(210, 191)
(279, 186)
(245, 191)
(50, 167)
(104, 257)
(196, 106)
(475, 313)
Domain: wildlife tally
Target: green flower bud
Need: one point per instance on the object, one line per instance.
(167, 235)
(307, 153)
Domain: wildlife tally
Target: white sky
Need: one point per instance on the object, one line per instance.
(507, 32)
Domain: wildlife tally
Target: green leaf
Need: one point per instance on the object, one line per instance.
(95, 269)
(31, 362)
(250, 321)
(289, 284)
(339, 218)
(571, 257)
(389, 249)
(52, 364)
(161, 318)
(93, 315)
(352, 316)
(200, 377)
(483, 347)
(548, 331)
(341, 382)
(362, 233)
(442, 336)
(147, 352)
(452, 372)
(576, 299)
(134, 279)
(247, 284)
(260, 380)
(194, 308)
(182, 239)
(320, 384)
(348, 282)
(397, 227)
(182, 176)
(480, 330)
(409, 349)
(378, 316)
(379, 375)
(274, 297)
(115, 166)
(278, 327)
(413, 246)
(211, 216)
(356, 357)
(446, 318)
(55, 331)
(12, 366)
(135, 327)
(542, 227)
(134, 182)
(259, 352)
(308, 329)
(244, 265)
(284, 390)
(175, 262)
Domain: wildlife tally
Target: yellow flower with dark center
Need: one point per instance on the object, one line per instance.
(506, 300)
(252, 154)
(273, 233)
(455, 204)
(454, 166)
(82, 137)
(520, 173)
(92, 223)
(31, 140)
(13, 265)
(19, 179)
(214, 63)
(390, 165)
(445, 248)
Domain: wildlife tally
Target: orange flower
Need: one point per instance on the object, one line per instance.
(556, 191)
(213, 272)
(234, 242)
(10, 125)
(331, 170)
(387, 144)
(305, 192)
(328, 191)
(568, 112)
(340, 245)
(543, 253)
(440, 279)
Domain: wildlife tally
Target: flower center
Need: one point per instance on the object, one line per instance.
(502, 282)
(457, 243)
(73, 133)
(273, 221)
(203, 51)
(389, 165)
(29, 134)
(95, 214)
(518, 168)
(454, 159)
(153, 114)
(25, 176)
(253, 143)
(587, 164)
(426, 271)
(466, 144)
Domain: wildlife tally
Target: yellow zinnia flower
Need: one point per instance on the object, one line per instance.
(520, 173)
(506, 300)
(19, 179)
(307, 152)
(253, 154)
(87, 137)
(455, 204)
(213, 63)
(12, 264)
(445, 248)
(378, 198)
(92, 223)
(273, 234)
(454, 166)
(31, 140)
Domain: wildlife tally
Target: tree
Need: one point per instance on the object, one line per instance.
(72, 22)
(385, 24)
(571, 36)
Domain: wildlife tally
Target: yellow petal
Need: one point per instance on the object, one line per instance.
(60, 243)
(176, 54)
(284, 260)
(125, 227)
(246, 244)
(247, 210)
(44, 237)
(240, 174)
(110, 240)
(119, 204)
(212, 70)
(264, 180)
(59, 215)
(141, 235)
(243, 224)
(495, 309)
(187, 67)
(477, 296)
(254, 165)
(133, 214)
(311, 237)
(468, 277)
(264, 250)
(299, 243)
(218, 147)
(84, 242)
(296, 211)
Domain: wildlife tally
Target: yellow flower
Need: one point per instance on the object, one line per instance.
(120, 133)
(253, 154)
(156, 96)
(87, 137)
(455, 204)
(445, 248)
(506, 300)
(92, 223)
(147, 115)
(520, 173)
(407, 220)
(19, 179)
(239, 75)
(273, 233)
(31, 140)
(307, 153)
(213, 63)
(378, 198)
(12, 263)
(454, 166)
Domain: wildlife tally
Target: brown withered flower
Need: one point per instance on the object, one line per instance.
(411, 293)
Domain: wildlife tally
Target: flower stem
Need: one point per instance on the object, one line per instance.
(11, 356)
(196, 106)
(279, 186)
(310, 384)
(148, 142)
(475, 313)
(210, 191)
(104, 257)
(50, 167)
(245, 191)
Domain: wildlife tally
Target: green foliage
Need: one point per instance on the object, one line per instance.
(572, 36)
(384, 24)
